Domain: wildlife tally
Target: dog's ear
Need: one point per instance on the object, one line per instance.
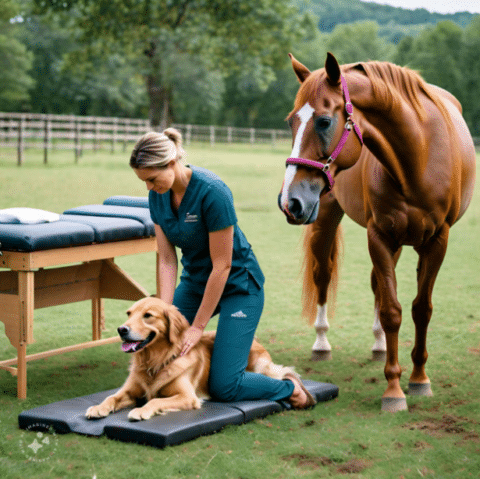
(176, 324)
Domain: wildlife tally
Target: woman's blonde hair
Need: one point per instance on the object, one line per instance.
(154, 150)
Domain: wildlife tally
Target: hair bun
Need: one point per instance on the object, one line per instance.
(174, 135)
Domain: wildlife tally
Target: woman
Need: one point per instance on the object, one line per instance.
(193, 209)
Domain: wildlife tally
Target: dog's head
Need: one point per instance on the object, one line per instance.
(150, 320)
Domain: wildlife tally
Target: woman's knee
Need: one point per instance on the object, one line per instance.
(222, 388)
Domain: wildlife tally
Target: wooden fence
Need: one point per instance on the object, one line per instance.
(78, 133)
(23, 131)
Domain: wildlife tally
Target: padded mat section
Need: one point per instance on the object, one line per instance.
(159, 431)
(136, 201)
(60, 234)
(133, 213)
(109, 229)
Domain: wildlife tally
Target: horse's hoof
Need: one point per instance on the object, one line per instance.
(379, 356)
(420, 389)
(394, 404)
(321, 355)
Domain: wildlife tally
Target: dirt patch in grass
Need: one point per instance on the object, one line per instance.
(353, 466)
(446, 425)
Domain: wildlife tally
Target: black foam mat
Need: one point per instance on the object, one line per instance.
(160, 431)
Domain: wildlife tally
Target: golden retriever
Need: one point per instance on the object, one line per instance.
(168, 381)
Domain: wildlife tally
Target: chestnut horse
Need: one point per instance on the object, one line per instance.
(403, 163)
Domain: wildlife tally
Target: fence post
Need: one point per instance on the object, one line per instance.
(95, 136)
(188, 135)
(252, 136)
(21, 146)
(229, 134)
(114, 135)
(212, 135)
(274, 138)
(46, 139)
(77, 141)
(11, 131)
(126, 131)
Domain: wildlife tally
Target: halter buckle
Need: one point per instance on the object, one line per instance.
(349, 107)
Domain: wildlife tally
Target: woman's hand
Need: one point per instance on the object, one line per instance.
(191, 338)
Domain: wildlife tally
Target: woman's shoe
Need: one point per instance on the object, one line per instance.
(310, 401)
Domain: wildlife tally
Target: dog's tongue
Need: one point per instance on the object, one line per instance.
(130, 347)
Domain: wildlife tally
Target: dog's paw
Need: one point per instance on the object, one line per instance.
(97, 412)
(140, 414)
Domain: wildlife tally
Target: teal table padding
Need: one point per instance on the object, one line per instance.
(136, 201)
(43, 236)
(159, 431)
(130, 212)
(109, 229)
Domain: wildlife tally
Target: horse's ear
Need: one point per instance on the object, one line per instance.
(360, 67)
(333, 69)
(300, 70)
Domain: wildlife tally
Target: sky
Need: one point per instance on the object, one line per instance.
(440, 6)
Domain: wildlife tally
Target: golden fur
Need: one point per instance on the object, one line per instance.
(168, 382)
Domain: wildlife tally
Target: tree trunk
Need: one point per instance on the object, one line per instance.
(159, 96)
(159, 113)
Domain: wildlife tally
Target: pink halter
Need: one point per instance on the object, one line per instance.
(324, 167)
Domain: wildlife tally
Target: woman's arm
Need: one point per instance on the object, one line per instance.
(221, 251)
(166, 267)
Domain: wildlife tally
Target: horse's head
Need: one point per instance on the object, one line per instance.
(321, 122)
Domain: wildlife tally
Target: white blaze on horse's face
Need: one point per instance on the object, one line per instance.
(305, 113)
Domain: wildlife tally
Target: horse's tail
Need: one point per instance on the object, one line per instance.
(310, 293)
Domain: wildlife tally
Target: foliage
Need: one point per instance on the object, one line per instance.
(15, 60)
(359, 41)
(205, 61)
(395, 22)
(233, 35)
(448, 56)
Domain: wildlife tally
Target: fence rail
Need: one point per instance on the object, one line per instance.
(24, 131)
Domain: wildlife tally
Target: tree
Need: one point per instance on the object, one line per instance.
(470, 68)
(15, 61)
(154, 33)
(359, 41)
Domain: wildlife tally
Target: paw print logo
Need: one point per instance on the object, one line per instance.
(41, 446)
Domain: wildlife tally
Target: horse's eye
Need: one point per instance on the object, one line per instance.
(323, 122)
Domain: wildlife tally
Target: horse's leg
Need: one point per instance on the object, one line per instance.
(430, 260)
(379, 348)
(382, 250)
(324, 248)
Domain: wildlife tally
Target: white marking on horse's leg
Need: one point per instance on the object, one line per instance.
(379, 349)
(321, 348)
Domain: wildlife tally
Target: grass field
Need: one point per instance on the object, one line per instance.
(438, 437)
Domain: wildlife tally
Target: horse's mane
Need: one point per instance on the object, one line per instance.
(391, 84)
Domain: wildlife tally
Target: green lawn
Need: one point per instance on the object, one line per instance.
(438, 437)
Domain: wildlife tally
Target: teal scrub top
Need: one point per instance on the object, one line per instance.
(207, 206)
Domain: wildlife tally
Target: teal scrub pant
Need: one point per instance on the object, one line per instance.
(238, 320)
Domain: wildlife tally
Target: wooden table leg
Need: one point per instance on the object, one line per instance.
(26, 292)
(98, 318)
(22, 371)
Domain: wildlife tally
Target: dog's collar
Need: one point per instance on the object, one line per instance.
(153, 372)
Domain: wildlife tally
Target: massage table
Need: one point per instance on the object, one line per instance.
(64, 261)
